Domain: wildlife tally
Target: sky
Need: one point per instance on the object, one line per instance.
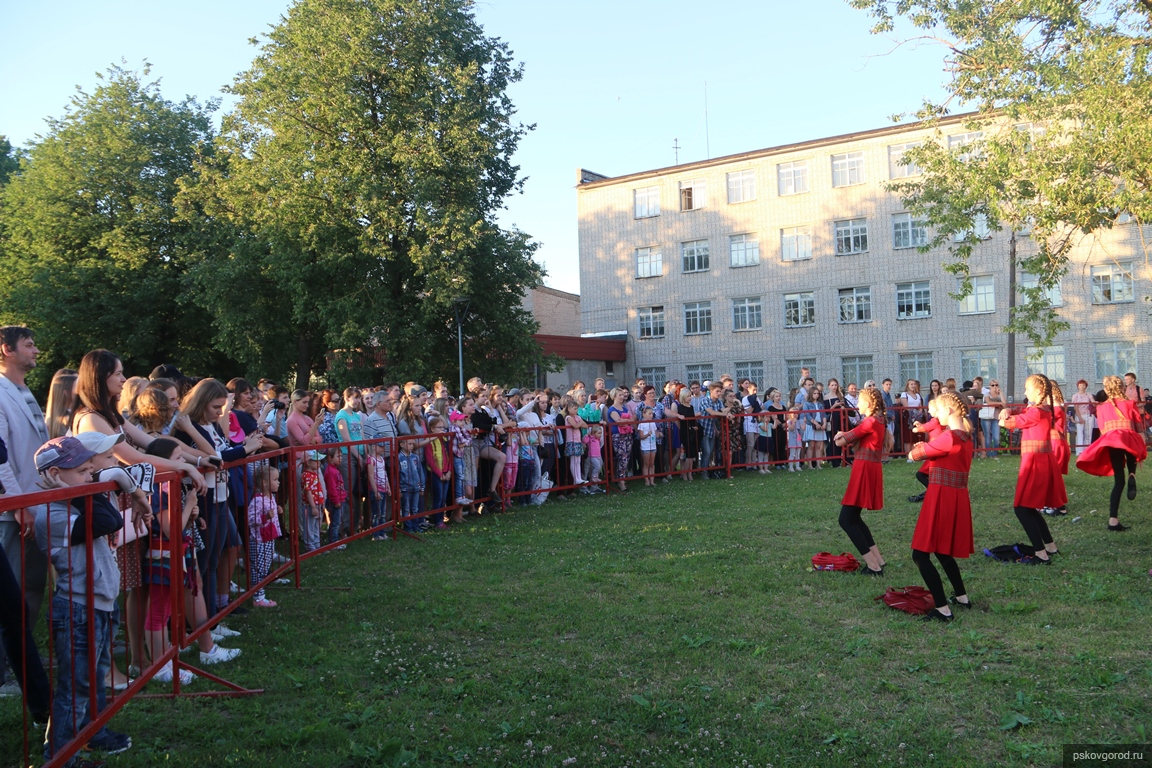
(609, 86)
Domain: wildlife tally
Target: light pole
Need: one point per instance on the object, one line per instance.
(460, 305)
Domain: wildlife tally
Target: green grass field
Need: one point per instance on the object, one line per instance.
(682, 626)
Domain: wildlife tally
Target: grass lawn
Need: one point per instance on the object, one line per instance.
(679, 626)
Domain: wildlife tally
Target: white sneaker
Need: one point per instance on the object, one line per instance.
(223, 631)
(165, 675)
(282, 581)
(219, 654)
(279, 558)
(233, 587)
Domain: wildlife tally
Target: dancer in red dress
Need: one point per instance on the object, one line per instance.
(1059, 436)
(1119, 446)
(866, 484)
(944, 528)
(1039, 483)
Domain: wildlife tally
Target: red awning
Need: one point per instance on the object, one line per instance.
(580, 348)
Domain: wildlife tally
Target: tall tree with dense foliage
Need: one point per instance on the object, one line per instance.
(92, 254)
(1063, 94)
(361, 172)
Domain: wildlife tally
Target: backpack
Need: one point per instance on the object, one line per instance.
(1009, 553)
(915, 599)
(826, 561)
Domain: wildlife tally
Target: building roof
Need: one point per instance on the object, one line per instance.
(589, 179)
(580, 348)
(557, 292)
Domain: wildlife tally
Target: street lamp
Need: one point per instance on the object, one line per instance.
(460, 305)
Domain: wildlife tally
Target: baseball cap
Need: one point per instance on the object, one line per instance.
(98, 443)
(315, 456)
(513, 392)
(62, 452)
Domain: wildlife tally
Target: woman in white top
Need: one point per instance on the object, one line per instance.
(1085, 417)
(913, 403)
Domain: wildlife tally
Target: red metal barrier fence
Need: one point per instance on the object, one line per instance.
(178, 555)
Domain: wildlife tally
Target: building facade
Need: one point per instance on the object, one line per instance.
(761, 263)
(585, 358)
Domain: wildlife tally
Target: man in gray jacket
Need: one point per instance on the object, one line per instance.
(22, 429)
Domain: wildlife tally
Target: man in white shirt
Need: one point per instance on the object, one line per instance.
(23, 431)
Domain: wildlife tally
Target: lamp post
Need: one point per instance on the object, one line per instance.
(460, 305)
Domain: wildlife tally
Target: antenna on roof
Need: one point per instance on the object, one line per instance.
(707, 142)
(676, 149)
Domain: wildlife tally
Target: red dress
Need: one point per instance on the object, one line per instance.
(945, 523)
(1039, 484)
(866, 485)
(1059, 436)
(1116, 419)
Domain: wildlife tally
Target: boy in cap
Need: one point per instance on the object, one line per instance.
(62, 533)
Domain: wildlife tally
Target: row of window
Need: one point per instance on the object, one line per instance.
(913, 300)
(792, 178)
(1112, 358)
(849, 235)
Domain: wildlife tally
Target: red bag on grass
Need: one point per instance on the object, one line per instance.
(915, 600)
(826, 561)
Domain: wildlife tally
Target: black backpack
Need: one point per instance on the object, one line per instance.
(1010, 553)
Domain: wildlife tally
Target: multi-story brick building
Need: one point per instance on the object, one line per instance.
(760, 263)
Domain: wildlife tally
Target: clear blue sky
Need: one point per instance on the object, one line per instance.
(609, 85)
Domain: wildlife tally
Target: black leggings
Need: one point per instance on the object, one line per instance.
(854, 526)
(1121, 459)
(931, 578)
(922, 478)
(1034, 526)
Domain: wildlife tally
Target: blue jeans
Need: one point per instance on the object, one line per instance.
(458, 475)
(215, 538)
(991, 430)
(380, 508)
(410, 505)
(73, 687)
(337, 519)
(707, 445)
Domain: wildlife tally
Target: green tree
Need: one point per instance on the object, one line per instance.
(1063, 95)
(9, 160)
(92, 254)
(360, 174)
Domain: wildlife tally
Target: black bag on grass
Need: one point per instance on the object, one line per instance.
(1009, 553)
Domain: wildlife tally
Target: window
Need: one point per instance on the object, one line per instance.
(701, 372)
(792, 178)
(651, 322)
(916, 365)
(856, 305)
(754, 372)
(847, 169)
(981, 300)
(1053, 294)
(796, 243)
(1112, 283)
(793, 368)
(656, 375)
(1114, 358)
(913, 300)
(897, 169)
(744, 250)
(799, 309)
(694, 255)
(649, 262)
(741, 186)
(962, 144)
(698, 318)
(857, 369)
(746, 314)
(646, 201)
(980, 230)
(978, 362)
(908, 232)
(693, 194)
(851, 236)
(1049, 361)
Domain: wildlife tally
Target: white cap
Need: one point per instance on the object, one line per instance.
(98, 442)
